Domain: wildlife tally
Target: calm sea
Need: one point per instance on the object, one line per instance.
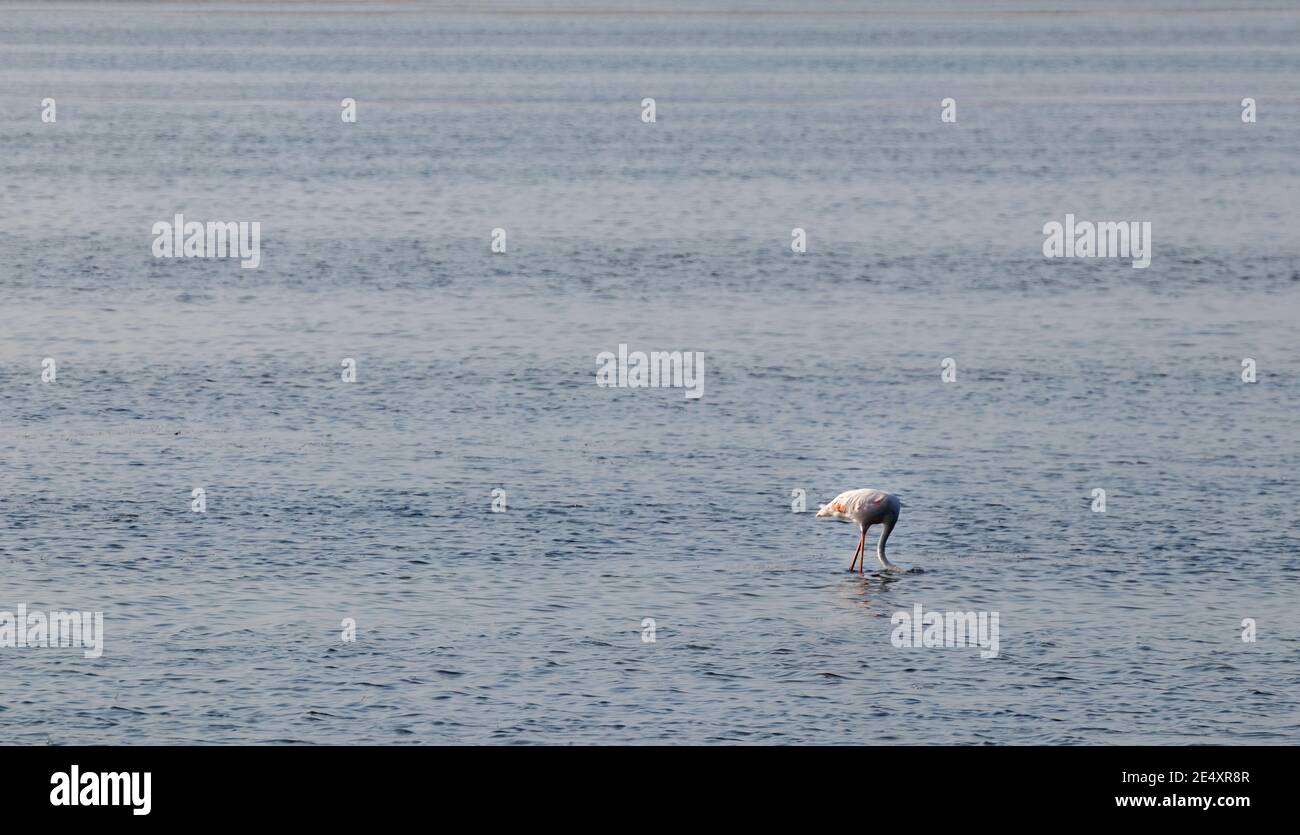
(373, 501)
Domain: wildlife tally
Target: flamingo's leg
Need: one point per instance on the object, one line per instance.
(860, 551)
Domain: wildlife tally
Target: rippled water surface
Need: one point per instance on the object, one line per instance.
(476, 371)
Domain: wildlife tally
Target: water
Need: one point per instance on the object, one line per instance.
(476, 371)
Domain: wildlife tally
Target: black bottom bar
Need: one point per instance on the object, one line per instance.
(209, 785)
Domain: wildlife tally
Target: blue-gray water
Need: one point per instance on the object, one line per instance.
(476, 371)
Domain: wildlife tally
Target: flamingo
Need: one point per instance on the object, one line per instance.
(866, 507)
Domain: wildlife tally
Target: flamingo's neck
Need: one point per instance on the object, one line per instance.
(880, 546)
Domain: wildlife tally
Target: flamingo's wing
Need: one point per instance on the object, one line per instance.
(864, 500)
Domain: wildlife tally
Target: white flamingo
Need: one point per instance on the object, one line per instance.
(866, 507)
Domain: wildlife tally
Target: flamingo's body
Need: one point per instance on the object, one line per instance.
(866, 507)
